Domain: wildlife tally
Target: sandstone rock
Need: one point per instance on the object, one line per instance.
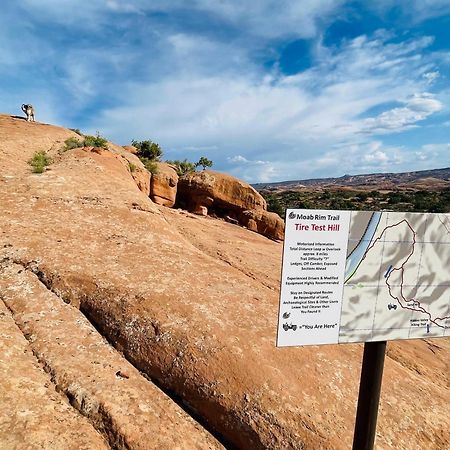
(163, 185)
(140, 174)
(218, 191)
(32, 413)
(130, 162)
(263, 222)
(201, 210)
(130, 148)
(202, 321)
(84, 368)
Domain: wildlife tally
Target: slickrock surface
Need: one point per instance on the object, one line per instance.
(192, 302)
(130, 411)
(32, 414)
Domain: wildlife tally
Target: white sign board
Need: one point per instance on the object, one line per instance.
(357, 276)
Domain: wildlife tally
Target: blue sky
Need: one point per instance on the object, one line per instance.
(269, 90)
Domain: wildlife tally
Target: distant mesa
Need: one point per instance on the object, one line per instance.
(423, 179)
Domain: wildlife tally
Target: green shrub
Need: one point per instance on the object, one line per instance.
(182, 167)
(148, 149)
(150, 165)
(39, 161)
(204, 162)
(95, 141)
(132, 167)
(76, 130)
(88, 141)
(71, 143)
(274, 205)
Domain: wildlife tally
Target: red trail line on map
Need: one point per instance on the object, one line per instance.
(401, 268)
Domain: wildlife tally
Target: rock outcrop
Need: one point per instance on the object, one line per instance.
(190, 302)
(218, 191)
(230, 198)
(163, 185)
(263, 222)
(130, 163)
(131, 149)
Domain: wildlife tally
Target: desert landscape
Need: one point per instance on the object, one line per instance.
(129, 322)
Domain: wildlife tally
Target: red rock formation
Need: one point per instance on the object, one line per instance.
(263, 222)
(218, 191)
(230, 198)
(191, 302)
(163, 185)
(130, 148)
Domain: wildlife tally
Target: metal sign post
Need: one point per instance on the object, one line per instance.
(369, 395)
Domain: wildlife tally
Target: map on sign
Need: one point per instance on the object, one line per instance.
(364, 276)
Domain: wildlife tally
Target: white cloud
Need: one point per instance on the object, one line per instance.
(431, 77)
(377, 157)
(416, 10)
(269, 18)
(417, 108)
(288, 122)
(262, 18)
(242, 160)
(198, 91)
(237, 159)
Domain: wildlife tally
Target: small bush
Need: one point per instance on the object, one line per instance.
(95, 141)
(132, 167)
(71, 143)
(150, 165)
(274, 205)
(204, 162)
(148, 149)
(88, 141)
(182, 167)
(76, 130)
(39, 161)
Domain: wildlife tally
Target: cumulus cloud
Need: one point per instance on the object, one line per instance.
(377, 157)
(417, 108)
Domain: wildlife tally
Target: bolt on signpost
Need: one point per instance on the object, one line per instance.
(352, 276)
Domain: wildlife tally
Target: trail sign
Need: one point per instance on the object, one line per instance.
(364, 277)
(360, 276)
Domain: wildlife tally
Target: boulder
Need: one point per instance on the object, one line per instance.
(201, 210)
(218, 191)
(163, 185)
(267, 223)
